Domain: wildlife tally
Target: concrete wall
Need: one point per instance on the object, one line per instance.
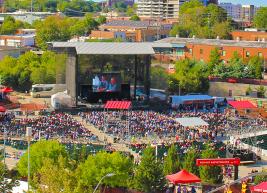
(222, 89)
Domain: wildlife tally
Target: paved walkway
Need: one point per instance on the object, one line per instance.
(106, 138)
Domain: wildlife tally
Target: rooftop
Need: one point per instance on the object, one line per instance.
(215, 42)
(129, 23)
(108, 48)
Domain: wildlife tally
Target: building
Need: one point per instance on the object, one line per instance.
(250, 35)
(207, 2)
(199, 49)
(233, 11)
(132, 31)
(26, 32)
(165, 9)
(28, 17)
(12, 51)
(126, 2)
(17, 40)
(247, 12)
(130, 62)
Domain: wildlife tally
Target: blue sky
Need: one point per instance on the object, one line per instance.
(253, 2)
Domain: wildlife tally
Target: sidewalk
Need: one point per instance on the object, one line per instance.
(106, 138)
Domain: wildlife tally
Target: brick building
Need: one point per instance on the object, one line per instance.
(249, 35)
(132, 31)
(199, 49)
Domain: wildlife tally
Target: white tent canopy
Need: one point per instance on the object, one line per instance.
(191, 122)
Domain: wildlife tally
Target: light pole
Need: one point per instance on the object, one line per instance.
(106, 176)
(28, 135)
(4, 156)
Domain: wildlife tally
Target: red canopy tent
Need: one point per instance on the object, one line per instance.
(118, 105)
(183, 177)
(2, 109)
(241, 104)
(7, 90)
(262, 187)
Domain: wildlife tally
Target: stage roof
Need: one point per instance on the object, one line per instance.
(108, 48)
(241, 104)
(119, 105)
(191, 122)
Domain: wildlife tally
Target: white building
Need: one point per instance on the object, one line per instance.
(233, 11)
(247, 12)
(165, 9)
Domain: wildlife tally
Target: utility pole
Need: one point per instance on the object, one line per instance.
(31, 5)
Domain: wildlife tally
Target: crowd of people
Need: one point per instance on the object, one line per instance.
(59, 126)
(146, 123)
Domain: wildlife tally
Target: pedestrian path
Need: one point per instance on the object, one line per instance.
(106, 138)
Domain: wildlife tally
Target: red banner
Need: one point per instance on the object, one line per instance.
(218, 162)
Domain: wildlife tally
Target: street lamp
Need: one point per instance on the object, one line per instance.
(106, 176)
(28, 135)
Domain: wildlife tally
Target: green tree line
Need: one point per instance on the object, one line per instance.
(20, 73)
(201, 21)
(54, 170)
(52, 5)
(192, 76)
(10, 26)
(56, 28)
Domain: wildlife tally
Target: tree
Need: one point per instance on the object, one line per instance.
(260, 178)
(29, 68)
(222, 30)
(5, 185)
(53, 28)
(95, 167)
(261, 90)
(189, 162)
(10, 25)
(190, 76)
(215, 59)
(204, 22)
(189, 5)
(260, 19)
(38, 153)
(256, 64)
(135, 18)
(101, 19)
(210, 174)
(172, 163)
(119, 6)
(159, 78)
(149, 174)
(131, 10)
(55, 177)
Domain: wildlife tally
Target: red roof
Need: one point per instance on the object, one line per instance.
(2, 109)
(183, 177)
(241, 104)
(262, 187)
(118, 105)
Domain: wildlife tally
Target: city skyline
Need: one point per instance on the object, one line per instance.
(243, 2)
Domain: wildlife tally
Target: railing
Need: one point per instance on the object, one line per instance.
(239, 80)
(238, 181)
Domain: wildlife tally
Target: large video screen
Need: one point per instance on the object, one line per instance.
(107, 82)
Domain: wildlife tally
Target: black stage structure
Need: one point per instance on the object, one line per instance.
(87, 62)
